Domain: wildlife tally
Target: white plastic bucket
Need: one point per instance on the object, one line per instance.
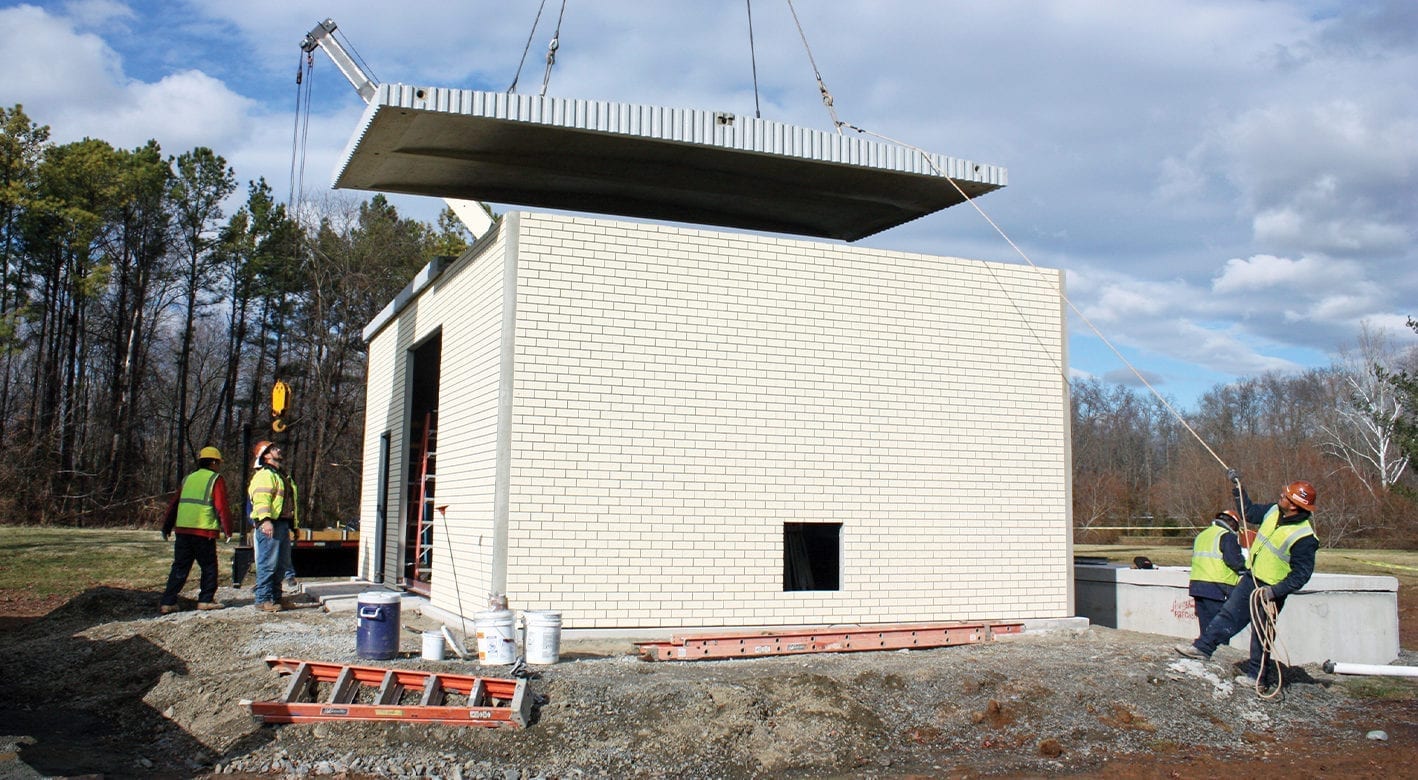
(497, 643)
(542, 636)
(433, 645)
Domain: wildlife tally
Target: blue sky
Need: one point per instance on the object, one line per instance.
(1231, 186)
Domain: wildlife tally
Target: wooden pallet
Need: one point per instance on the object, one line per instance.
(327, 691)
(823, 640)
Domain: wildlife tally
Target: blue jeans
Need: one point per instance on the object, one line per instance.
(285, 564)
(269, 555)
(1235, 615)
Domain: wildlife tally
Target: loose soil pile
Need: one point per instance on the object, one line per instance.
(104, 686)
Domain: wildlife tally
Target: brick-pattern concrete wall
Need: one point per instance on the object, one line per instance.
(681, 394)
(465, 304)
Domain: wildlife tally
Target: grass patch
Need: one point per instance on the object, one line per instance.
(67, 561)
(1382, 688)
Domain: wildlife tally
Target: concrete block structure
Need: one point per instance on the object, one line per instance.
(1339, 617)
(645, 426)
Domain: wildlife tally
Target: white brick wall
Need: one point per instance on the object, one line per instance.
(678, 395)
(681, 394)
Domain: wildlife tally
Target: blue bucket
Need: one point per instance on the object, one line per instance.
(378, 635)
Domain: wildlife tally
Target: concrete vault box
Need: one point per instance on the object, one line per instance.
(683, 165)
(645, 426)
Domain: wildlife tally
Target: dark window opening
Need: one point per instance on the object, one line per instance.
(812, 556)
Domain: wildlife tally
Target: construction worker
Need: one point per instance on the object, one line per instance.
(197, 513)
(273, 513)
(1217, 565)
(1281, 561)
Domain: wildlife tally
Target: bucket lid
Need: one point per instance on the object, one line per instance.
(378, 597)
(493, 615)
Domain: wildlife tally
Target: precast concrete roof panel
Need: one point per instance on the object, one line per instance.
(683, 165)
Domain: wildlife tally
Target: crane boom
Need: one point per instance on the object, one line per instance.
(474, 215)
(323, 36)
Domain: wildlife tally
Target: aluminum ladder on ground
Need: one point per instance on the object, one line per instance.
(370, 693)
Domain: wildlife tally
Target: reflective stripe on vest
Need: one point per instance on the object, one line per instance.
(1270, 553)
(273, 497)
(1208, 564)
(194, 503)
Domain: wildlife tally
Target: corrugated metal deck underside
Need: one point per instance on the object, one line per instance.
(643, 161)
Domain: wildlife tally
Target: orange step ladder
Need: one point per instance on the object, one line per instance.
(823, 639)
(366, 693)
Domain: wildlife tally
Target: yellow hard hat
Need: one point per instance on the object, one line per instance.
(209, 453)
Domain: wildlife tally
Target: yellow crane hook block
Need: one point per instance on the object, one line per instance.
(280, 403)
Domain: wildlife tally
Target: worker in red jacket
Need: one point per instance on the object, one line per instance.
(197, 513)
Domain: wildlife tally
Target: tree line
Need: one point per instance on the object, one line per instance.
(139, 323)
(1142, 467)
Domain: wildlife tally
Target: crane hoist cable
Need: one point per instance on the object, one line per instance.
(753, 60)
(301, 127)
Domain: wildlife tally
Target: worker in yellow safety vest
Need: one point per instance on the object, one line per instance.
(1281, 561)
(273, 498)
(1217, 565)
(196, 514)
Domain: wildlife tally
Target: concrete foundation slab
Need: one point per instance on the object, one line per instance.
(1341, 617)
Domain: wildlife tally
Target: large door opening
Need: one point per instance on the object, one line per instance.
(421, 478)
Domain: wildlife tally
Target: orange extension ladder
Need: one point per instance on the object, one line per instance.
(822, 639)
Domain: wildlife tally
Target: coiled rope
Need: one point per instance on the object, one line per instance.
(1263, 617)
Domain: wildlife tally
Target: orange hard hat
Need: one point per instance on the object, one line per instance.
(259, 451)
(1301, 494)
(1230, 516)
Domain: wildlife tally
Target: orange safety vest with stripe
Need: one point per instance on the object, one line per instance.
(195, 508)
(273, 497)
(1208, 564)
(1270, 552)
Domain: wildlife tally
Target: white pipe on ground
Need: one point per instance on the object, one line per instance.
(1334, 667)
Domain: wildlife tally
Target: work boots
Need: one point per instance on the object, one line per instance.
(269, 606)
(168, 609)
(210, 605)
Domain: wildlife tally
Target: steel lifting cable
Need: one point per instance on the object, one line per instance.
(551, 50)
(821, 86)
(530, 34)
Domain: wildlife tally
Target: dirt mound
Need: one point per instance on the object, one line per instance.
(105, 685)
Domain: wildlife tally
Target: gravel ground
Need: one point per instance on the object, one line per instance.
(104, 686)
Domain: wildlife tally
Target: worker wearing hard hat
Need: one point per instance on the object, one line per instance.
(197, 513)
(1281, 561)
(273, 512)
(1217, 565)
